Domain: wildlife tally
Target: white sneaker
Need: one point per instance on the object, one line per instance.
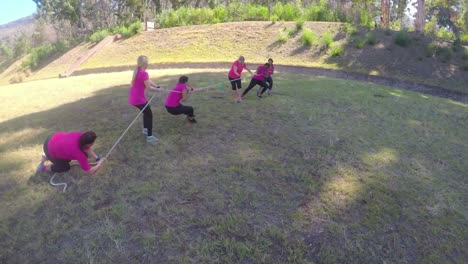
(151, 139)
(40, 166)
(145, 131)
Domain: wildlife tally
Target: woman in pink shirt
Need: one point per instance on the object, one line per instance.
(258, 78)
(136, 96)
(269, 79)
(61, 148)
(180, 93)
(235, 73)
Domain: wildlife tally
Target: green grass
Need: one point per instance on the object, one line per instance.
(324, 171)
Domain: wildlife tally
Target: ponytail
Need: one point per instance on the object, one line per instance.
(142, 61)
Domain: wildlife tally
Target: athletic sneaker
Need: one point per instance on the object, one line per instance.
(191, 119)
(145, 131)
(151, 139)
(41, 164)
(269, 92)
(259, 95)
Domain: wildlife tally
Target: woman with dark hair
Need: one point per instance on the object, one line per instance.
(61, 148)
(180, 93)
(269, 79)
(258, 78)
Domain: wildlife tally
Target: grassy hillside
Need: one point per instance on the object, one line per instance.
(257, 41)
(325, 171)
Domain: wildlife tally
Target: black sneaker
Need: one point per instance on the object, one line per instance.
(191, 119)
(259, 95)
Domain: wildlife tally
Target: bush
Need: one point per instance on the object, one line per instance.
(350, 29)
(320, 11)
(371, 38)
(221, 15)
(327, 39)
(99, 35)
(402, 39)
(465, 66)
(6, 51)
(135, 28)
(22, 45)
(274, 19)
(465, 55)
(336, 49)
(431, 49)
(434, 49)
(299, 24)
(430, 28)
(283, 37)
(290, 12)
(445, 34)
(464, 38)
(289, 31)
(41, 53)
(256, 13)
(307, 37)
(360, 44)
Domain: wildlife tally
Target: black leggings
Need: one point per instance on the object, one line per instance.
(252, 84)
(235, 83)
(147, 118)
(180, 109)
(58, 165)
(269, 81)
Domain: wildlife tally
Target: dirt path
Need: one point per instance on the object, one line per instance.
(408, 85)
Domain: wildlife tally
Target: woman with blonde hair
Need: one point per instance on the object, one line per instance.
(136, 96)
(235, 75)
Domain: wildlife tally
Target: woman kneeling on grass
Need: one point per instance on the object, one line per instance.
(61, 148)
(178, 94)
(259, 78)
(136, 96)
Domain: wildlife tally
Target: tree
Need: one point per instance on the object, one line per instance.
(420, 16)
(61, 9)
(385, 13)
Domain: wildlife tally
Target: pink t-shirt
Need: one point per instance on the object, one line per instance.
(175, 95)
(67, 146)
(240, 68)
(261, 73)
(271, 70)
(136, 95)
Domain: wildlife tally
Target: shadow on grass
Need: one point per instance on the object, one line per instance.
(386, 58)
(327, 172)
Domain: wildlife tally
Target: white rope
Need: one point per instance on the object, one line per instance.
(134, 120)
(206, 87)
(109, 152)
(58, 183)
(123, 134)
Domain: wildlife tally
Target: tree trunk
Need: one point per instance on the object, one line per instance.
(385, 11)
(420, 14)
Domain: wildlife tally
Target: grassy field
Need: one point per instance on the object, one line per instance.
(323, 171)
